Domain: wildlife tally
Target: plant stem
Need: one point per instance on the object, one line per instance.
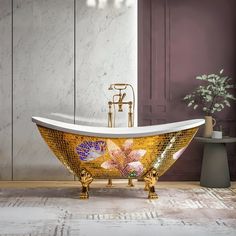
(212, 104)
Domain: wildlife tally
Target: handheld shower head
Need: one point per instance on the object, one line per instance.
(118, 86)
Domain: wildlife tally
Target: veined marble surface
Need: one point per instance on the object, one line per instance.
(106, 52)
(43, 81)
(5, 90)
(43, 74)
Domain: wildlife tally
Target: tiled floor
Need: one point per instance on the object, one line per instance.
(53, 208)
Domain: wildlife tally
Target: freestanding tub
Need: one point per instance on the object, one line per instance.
(98, 152)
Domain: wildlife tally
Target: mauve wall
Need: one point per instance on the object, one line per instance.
(178, 40)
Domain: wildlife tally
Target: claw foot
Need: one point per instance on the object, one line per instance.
(146, 188)
(84, 196)
(150, 181)
(130, 183)
(86, 179)
(109, 183)
(152, 196)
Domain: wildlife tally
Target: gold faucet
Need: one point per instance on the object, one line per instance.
(120, 102)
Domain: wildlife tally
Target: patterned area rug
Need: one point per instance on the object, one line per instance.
(58, 211)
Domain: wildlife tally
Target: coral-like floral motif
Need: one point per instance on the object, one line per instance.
(124, 159)
(89, 151)
(179, 153)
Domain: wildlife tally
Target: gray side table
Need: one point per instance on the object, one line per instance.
(215, 169)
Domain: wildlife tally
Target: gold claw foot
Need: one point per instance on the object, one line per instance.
(146, 188)
(150, 181)
(109, 183)
(84, 195)
(152, 195)
(130, 183)
(86, 179)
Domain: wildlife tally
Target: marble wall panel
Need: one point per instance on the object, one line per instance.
(5, 91)
(43, 82)
(106, 52)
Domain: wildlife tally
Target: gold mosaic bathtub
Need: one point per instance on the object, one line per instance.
(99, 152)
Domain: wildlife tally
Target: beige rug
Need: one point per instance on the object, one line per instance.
(58, 211)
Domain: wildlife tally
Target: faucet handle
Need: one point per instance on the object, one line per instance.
(123, 96)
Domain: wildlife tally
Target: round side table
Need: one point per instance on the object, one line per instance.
(215, 169)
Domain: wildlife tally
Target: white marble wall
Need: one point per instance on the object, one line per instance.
(106, 52)
(5, 90)
(43, 74)
(43, 82)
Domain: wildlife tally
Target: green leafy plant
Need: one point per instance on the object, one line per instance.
(213, 96)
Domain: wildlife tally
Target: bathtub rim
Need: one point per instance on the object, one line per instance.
(122, 132)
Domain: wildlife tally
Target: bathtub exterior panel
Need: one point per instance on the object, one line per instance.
(101, 155)
(5, 91)
(105, 157)
(43, 82)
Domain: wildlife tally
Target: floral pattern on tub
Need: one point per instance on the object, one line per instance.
(124, 159)
(89, 150)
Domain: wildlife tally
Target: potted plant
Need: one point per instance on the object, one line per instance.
(213, 96)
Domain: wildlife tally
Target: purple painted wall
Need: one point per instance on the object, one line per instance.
(178, 40)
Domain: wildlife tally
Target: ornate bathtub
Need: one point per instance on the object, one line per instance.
(98, 152)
